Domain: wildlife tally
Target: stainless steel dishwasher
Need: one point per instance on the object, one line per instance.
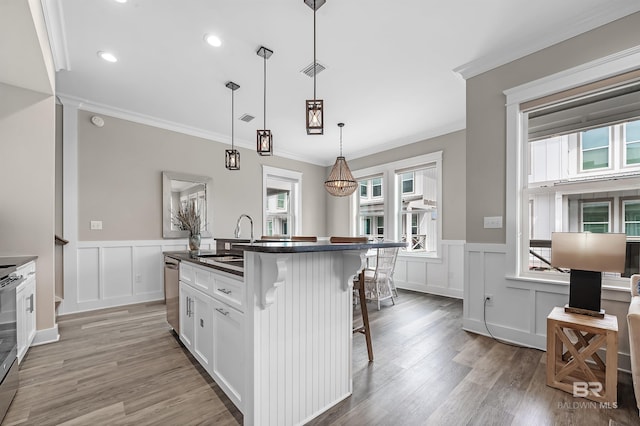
(172, 291)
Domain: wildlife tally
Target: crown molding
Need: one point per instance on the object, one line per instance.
(54, 20)
(583, 23)
(160, 123)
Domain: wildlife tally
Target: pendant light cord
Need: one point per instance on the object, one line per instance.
(340, 141)
(264, 104)
(232, 90)
(314, 50)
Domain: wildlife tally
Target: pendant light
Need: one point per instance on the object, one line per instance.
(264, 136)
(340, 182)
(314, 107)
(232, 156)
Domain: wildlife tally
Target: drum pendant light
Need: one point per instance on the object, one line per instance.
(264, 144)
(340, 182)
(232, 156)
(314, 107)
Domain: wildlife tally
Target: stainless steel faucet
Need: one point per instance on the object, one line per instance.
(236, 233)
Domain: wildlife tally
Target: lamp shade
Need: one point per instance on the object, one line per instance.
(588, 251)
(340, 182)
(315, 122)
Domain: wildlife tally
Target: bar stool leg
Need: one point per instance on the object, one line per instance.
(365, 316)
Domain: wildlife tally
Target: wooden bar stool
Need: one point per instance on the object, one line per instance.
(359, 286)
(364, 329)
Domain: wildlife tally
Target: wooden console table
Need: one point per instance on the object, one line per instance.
(572, 340)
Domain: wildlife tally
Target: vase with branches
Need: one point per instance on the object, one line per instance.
(187, 218)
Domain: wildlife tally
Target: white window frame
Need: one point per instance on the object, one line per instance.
(624, 147)
(516, 177)
(390, 189)
(623, 220)
(295, 199)
(381, 188)
(610, 227)
(609, 154)
(413, 182)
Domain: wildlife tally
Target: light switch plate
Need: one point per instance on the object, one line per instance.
(96, 225)
(493, 221)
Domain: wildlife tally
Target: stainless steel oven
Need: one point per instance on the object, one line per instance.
(8, 341)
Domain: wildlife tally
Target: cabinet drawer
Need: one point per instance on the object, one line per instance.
(27, 270)
(229, 291)
(203, 280)
(187, 273)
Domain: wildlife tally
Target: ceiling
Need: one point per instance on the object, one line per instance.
(393, 68)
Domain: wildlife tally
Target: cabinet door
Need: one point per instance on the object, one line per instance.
(21, 320)
(203, 324)
(228, 356)
(30, 311)
(186, 316)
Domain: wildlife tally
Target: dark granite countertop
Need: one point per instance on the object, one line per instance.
(306, 247)
(9, 264)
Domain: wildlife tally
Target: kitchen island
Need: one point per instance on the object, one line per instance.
(291, 328)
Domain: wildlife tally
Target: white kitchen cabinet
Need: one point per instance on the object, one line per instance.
(212, 325)
(26, 308)
(196, 324)
(228, 335)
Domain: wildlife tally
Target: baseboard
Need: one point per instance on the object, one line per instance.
(522, 338)
(94, 305)
(432, 289)
(48, 335)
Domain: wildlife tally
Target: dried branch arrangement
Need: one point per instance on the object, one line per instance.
(187, 218)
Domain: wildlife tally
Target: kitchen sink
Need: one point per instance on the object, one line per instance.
(228, 261)
(223, 257)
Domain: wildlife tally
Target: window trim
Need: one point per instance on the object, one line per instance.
(600, 69)
(625, 145)
(388, 173)
(623, 220)
(413, 182)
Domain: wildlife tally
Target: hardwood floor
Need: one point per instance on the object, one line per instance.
(123, 366)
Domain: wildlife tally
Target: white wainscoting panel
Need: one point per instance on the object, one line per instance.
(116, 273)
(519, 310)
(443, 276)
(88, 275)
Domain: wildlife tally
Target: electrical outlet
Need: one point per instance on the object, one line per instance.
(96, 225)
(138, 278)
(488, 299)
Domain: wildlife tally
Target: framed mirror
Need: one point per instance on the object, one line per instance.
(178, 189)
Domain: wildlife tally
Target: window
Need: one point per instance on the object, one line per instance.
(376, 187)
(594, 145)
(281, 200)
(596, 217)
(631, 212)
(363, 188)
(404, 203)
(632, 142)
(576, 173)
(371, 210)
(407, 183)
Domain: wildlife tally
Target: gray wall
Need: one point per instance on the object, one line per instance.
(27, 190)
(486, 115)
(120, 180)
(452, 146)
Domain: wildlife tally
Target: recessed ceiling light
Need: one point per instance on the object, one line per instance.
(107, 56)
(213, 40)
(121, 1)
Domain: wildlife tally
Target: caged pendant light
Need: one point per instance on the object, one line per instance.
(340, 182)
(232, 156)
(314, 107)
(264, 140)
